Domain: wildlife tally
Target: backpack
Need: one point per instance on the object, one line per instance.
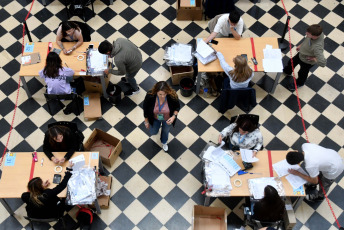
(84, 217)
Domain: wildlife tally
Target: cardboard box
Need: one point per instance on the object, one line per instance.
(179, 72)
(189, 12)
(93, 84)
(209, 218)
(107, 154)
(103, 200)
(289, 215)
(92, 106)
(187, 3)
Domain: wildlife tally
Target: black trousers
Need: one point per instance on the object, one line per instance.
(303, 72)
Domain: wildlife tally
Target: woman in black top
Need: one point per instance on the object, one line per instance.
(41, 201)
(60, 139)
(270, 208)
(161, 107)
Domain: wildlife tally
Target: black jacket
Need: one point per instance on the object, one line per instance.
(70, 144)
(52, 205)
(149, 103)
(265, 212)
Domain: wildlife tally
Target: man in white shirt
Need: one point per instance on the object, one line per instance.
(226, 25)
(320, 163)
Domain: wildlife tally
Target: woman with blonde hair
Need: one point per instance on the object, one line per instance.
(160, 109)
(240, 75)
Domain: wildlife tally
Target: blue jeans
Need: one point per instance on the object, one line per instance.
(154, 129)
(131, 79)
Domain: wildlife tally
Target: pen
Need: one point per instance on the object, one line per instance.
(42, 162)
(66, 64)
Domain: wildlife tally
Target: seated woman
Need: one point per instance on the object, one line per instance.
(270, 208)
(56, 76)
(41, 201)
(241, 75)
(60, 139)
(243, 134)
(69, 32)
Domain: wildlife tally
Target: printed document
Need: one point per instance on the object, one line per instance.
(282, 167)
(296, 181)
(246, 155)
(204, 49)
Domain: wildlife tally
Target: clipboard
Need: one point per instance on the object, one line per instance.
(31, 59)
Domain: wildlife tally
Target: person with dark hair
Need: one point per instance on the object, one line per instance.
(60, 139)
(243, 134)
(270, 208)
(321, 164)
(160, 109)
(56, 76)
(240, 75)
(311, 52)
(42, 202)
(225, 26)
(69, 32)
(127, 59)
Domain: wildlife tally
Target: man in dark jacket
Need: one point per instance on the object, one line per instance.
(128, 60)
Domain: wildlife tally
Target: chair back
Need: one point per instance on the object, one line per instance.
(252, 117)
(49, 97)
(45, 221)
(244, 98)
(212, 22)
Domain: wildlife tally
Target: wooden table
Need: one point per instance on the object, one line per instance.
(231, 47)
(70, 60)
(14, 179)
(263, 167)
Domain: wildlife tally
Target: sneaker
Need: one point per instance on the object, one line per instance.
(132, 92)
(291, 86)
(165, 147)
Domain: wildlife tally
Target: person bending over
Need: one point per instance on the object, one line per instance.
(60, 139)
(226, 25)
(69, 32)
(160, 108)
(240, 75)
(56, 76)
(320, 163)
(243, 134)
(43, 202)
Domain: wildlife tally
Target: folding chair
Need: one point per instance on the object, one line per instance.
(31, 220)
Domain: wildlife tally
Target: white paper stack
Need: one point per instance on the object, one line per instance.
(272, 61)
(204, 53)
(78, 162)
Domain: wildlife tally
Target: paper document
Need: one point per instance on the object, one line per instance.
(219, 178)
(78, 162)
(29, 47)
(296, 181)
(258, 186)
(214, 153)
(204, 49)
(229, 164)
(182, 53)
(273, 65)
(246, 155)
(272, 54)
(268, 46)
(282, 167)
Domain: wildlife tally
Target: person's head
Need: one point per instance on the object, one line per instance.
(234, 17)
(35, 187)
(294, 157)
(314, 31)
(105, 47)
(68, 28)
(57, 134)
(244, 126)
(52, 65)
(271, 194)
(241, 71)
(162, 89)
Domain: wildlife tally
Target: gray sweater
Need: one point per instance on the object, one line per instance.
(313, 48)
(127, 57)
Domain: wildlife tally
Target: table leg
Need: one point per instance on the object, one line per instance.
(298, 202)
(25, 87)
(102, 80)
(206, 200)
(198, 85)
(278, 75)
(8, 208)
(96, 204)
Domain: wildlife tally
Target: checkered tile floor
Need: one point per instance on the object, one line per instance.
(153, 189)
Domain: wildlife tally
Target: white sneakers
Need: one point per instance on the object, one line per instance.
(165, 147)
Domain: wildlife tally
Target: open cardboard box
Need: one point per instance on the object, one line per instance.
(209, 218)
(93, 84)
(103, 200)
(109, 151)
(179, 72)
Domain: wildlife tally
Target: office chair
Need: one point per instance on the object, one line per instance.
(31, 220)
(256, 224)
(77, 8)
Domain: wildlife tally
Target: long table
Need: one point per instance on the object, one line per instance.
(264, 167)
(14, 178)
(231, 47)
(71, 61)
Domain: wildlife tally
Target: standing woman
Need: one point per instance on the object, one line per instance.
(69, 32)
(161, 107)
(56, 76)
(241, 75)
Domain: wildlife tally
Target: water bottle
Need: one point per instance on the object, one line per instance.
(205, 92)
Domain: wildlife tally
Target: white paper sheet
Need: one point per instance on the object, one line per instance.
(229, 164)
(78, 161)
(282, 167)
(258, 188)
(296, 181)
(272, 65)
(182, 53)
(246, 155)
(203, 49)
(219, 178)
(213, 153)
(268, 46)
(272, 54)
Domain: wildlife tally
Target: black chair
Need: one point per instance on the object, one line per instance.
(59, 97)
(74, 129)
(252, 117)
(31, 220)
(244, 98)
(256, 224)
(77, 8)
(85, 30)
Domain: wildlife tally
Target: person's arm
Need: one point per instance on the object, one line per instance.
(47, 148)
(145, 110)
(80, 40)
(226, 131)
(210, 37)
(60, 187)
(319, 57)
(121, 69)
(226, 68)
(312, 180)
(72, 145)
(259, 142)
(59, 38)
(235, 33)
(68, 72)
(176, 108)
